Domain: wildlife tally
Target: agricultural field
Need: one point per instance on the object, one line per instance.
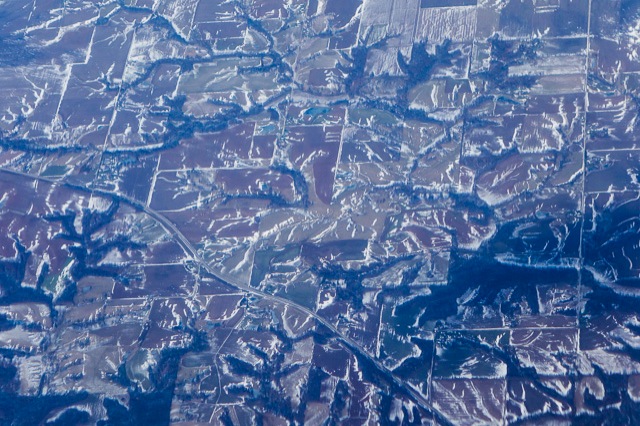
(319, 212)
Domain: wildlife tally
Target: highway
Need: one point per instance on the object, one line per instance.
(188, 247)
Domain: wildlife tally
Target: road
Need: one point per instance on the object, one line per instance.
(188, 247)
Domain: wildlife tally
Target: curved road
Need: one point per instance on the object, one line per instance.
(171, 228)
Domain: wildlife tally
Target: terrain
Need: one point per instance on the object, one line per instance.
(319, 212)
